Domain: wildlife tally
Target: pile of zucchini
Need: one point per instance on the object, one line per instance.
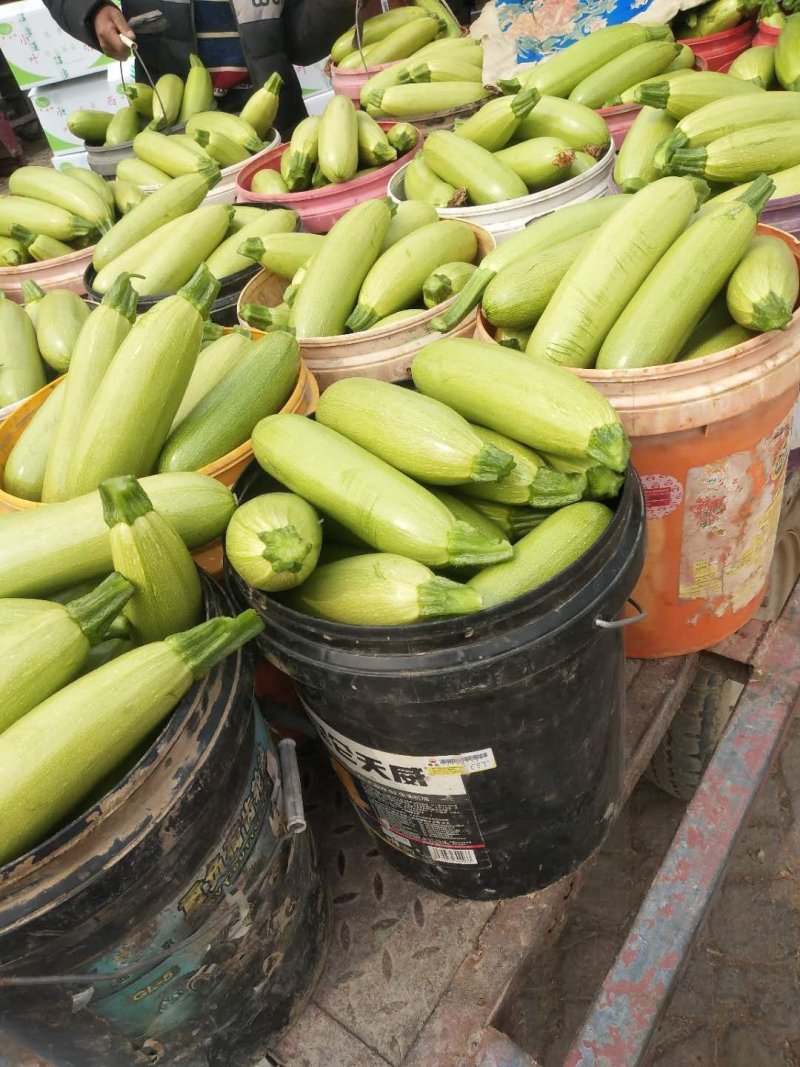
(404, 505)
(334, 148)
(52, 213)
(92, 670)
(613, 295)
(393, 35)
(372, 269)
(212, 139)
(143, 394)
(602, 69)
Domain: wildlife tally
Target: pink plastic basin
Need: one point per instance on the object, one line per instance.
(320, 208)
(619, 119)
(767, 35)
(350, 82)
(720, 49)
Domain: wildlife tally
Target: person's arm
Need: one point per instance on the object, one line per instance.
(311, 27)
(97, 24)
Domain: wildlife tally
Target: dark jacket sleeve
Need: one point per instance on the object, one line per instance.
(75, 17)
(311, 27)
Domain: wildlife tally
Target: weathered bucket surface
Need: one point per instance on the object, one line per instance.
(319, 209)
(385, 354)
(193, 923)
(720, 49)
(484, 753)
(63, 272)
(710, 439)
(505, 219)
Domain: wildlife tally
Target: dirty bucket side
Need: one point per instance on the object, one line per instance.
(483, 753)
(186, 914)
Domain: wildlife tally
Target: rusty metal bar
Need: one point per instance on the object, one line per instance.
(636, 991)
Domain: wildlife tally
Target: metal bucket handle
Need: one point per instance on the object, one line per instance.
(295, 823)
(618, 624)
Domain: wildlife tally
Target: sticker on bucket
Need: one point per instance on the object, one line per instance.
(417, 804)
(730, 521)
(662, 495)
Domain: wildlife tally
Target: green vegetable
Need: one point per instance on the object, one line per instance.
(409, 215)
(539, 162)
(46, 549)
(60, 317)
(634, 65)
(146, 550)
(494, 125)
(531, 480)
(755, 65)
(762, 290)
(166, 102)
(536, 403)
(682, 96)
(56, 754)
(282, 253)
(198, 93)
(635, 166)
(546, 551)
(213, 364)
(418, 436)
(123, 127)
(466, 165)
(262, 107)
(743, 155)
(715, 332)
(46, 650)
(787, 63)
(380, 589)
(580, 127)
(268, 182)
(420, 183)
(21, 370)
(338, 140)
(38, 217)
(60, 189)
(273, 541)
(89, 125)
(445, 282)
(25, 467)
(226, 259)
(258, 385)
(382, 506)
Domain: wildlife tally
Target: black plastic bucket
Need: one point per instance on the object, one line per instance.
(176, 921)
(485, 753)
(223, 310)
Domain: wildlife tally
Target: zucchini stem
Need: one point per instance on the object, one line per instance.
(440, 596)
(96, 611)
(758, 193)
(361, 318)
(656, 94)
(770, 313)
(122, 297)
(468, 547)
(465, 301)
(123, 500)
(524, 102)
(491, 464)
(689, 161)
(202, 647)
(284, 549)
(201, 289)
(556, 489)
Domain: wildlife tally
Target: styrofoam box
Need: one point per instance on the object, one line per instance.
(38, 50)
(62, 160)
(317, 102)
(313, 79)
(53, 103)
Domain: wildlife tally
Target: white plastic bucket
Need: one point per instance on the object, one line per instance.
(510, 216)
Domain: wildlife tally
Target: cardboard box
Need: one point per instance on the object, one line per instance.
(313, 78)
(62, 160)
(39, 51)
(317, 102)
(53, 103)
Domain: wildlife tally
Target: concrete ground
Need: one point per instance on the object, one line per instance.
(738, 1002)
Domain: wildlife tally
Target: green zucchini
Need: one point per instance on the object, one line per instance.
(127, 196)
(555, 544)
(268, 182)
(213, 364)
(756, 65)
(711, 18)
(226, 260)
(382, 506)
(32, 296)
(543, 405)
(539, 162)
(743, 155)
(338, 140)
(166, 259)
(54, 756)
(418, 436)
(198, 92)
(145, 175)
(273, 541)
(682, 96)
(259, 384)
(146, 550)
(25, 467)
(123, 127)
(283, 254)
(167, 97)
(402, 137)
(531, 480)
(132, 410)
(580, 127)
(787, 65)
(609, 272)
(580, 164)
(373, 147)
(261, 317)
(13, 252)
(635, 166)
(517, 296)
(99, 186)
(539, 234)
(641, 338)
(420, 183)
(38, 246)
(96, 345)
(38, 217)
(601, 482)
(512, 337)
(61, 189)
(446, 281)
(635, 65)
(164, 205)
(398, 316)
(715, 332)
(60, 317)
(762, 291)
(465, 165)
(732, 115)
(262, 107)
(409, 215)
(498, 121)
(465, 512)
(629, 96)
(21, 370)
(223, 150)
(46, 549)
(140, 97)
(341, 272)
(380, 589)
(166, 154)
(46, 651)
(89, 125)
(395, 281)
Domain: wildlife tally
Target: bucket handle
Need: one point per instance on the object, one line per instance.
(617, 624)
(295, 823)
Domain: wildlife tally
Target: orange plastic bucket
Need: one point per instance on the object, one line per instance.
(710, 440)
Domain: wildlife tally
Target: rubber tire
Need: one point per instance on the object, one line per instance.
(689, 743)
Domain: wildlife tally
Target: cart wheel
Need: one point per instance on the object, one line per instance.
(689, 743)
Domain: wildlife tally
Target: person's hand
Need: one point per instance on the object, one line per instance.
(109, 23)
